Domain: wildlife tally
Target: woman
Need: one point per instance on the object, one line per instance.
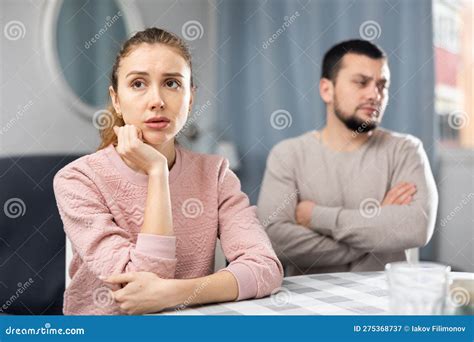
(143, 214)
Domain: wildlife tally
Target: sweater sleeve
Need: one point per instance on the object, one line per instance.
(244, 242)
(102, 245)
(394, 227)
(293, 243)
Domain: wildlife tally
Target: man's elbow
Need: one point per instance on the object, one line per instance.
(426, 217)
(423, 226)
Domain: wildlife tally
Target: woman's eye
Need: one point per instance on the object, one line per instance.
(173, 84)
(137, 84)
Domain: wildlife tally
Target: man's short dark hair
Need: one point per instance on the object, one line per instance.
(333, 57)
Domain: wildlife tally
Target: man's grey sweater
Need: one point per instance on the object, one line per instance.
(349, 231)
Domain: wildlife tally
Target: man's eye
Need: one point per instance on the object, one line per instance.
(362, 83)
(137, 84)
(173, 84)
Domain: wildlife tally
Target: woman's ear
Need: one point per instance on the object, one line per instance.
(191, 98)
(114, 98)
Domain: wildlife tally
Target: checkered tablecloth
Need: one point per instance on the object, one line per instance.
(318, 294)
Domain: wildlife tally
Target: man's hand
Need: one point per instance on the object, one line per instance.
(304, 212)
(400, 194)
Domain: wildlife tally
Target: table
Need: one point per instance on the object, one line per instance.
(317, 294)
(350, 293)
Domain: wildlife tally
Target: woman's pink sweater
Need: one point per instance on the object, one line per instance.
(101, 201)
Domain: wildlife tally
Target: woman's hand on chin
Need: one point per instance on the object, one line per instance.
(145, 292)
(143, 156)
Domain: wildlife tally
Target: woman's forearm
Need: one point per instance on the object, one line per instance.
(158, 217)
(214, 288)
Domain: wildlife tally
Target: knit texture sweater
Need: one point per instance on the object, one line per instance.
(349, 230)
(101, 202)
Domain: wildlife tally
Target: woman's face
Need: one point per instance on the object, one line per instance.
(154, 91)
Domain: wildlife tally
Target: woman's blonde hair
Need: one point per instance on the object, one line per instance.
(151, 35)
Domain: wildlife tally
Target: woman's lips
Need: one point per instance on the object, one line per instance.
(157, 124)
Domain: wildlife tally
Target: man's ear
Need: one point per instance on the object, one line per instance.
(326, 90)
(114, 98)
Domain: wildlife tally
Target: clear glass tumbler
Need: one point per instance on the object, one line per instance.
(417, 288)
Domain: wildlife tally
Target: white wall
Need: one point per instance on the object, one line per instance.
(33, 118)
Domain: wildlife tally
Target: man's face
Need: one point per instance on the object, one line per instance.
(360, 92)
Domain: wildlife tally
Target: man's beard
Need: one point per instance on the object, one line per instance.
(353, 123)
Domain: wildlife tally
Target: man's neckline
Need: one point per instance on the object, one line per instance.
(316, 135)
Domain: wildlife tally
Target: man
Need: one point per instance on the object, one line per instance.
(352, 196)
